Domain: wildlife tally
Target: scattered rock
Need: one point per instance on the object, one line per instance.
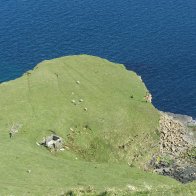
(177, 144)
(182, 174)
(186, 174)
(172, 135)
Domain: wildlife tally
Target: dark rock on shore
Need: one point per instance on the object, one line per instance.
(183, 173)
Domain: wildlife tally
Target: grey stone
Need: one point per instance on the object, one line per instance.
(53, 142)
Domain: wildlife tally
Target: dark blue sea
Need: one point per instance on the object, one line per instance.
(155, 38)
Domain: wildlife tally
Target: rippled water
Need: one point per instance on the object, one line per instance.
(157, 39)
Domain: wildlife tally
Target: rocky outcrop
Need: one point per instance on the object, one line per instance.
(173, 135)
(53, 142)
(183, 173)
(177, 147)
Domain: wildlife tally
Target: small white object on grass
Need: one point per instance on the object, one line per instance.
(67, 147)
(131, 187)
(78, 82)
(29, 171)
(73, 101)
(85, 109)
(81, 100)
(71, 129)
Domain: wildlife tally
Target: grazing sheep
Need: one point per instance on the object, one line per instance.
(71, 129)
(73, 101)
(81, 100)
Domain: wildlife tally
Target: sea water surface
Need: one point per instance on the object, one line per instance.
(157, 39)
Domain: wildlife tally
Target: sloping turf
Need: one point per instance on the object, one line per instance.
(87, 101)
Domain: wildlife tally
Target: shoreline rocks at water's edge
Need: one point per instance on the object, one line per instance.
(184, 119)
(177, 147)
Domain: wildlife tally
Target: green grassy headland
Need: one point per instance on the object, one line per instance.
(98, 108)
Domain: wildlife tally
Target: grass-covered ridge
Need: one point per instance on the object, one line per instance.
(98, 108)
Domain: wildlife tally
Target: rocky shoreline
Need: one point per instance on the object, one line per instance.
(177, 156)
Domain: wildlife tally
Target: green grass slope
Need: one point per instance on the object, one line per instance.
(87, 101)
